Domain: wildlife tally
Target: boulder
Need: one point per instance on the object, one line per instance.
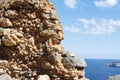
(80, 62)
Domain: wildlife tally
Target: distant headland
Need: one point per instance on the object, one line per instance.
(114, 64)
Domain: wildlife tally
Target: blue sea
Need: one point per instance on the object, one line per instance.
(98, 70)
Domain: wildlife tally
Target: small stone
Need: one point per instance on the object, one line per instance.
(31, 41)
(13, 67)
(49, 24)
(1, 71)
(72, 55)
(15, 38)
(1, 31)
(55, 48)
(11, 14)
(48, 33)
(69, 60)
(57, 26)
(10, 40)
(5, 77)
(53, 14)
(3, 63)
(44, 15)
(43, 77)
(19, 34)
(4, 31)
(31, 16)
(5, 22)
(60, 35)
(56, 57)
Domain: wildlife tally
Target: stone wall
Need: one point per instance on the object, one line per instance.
(30, 37)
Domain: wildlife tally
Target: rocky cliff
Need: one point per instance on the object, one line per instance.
(30, 37)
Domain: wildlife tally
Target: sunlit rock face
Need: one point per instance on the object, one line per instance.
(30, 37)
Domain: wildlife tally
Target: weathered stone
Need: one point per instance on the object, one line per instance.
(2, 71)
(5, 22)
(53, 14)
(44, 15)
(31, 16)
(48, 33)
(72, 55)
(5, 77)
(4, 31)
(31, 41)
(11, 14)
(69, 60)
(49, 24)
(57, 26)
(60, 35)
(10, 40)
(3, 63)
(55, 48)
(20, 35)
(80, 62)
(43, 77)
(14, 67)
(56, 57)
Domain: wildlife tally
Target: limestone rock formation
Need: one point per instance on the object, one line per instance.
(30, 37)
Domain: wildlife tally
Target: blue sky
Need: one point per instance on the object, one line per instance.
(91, 27)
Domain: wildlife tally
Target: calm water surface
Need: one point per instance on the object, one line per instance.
(97, 69)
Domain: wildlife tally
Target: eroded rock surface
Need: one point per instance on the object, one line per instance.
(30, 37)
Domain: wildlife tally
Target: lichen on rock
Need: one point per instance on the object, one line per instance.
(30, 37)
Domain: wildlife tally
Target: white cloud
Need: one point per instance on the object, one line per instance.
(106, 3)
(95, 26)
(70, 3)
(71, 29)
